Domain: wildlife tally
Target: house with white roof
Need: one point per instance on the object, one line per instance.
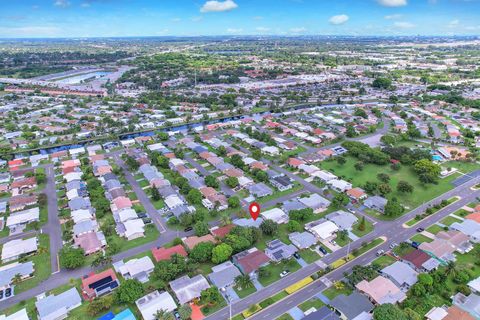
(55, 307)
(339, 185)
(322, 229)
(153, 302)
(275, 214)
(14, 249)
(186, 289)
(139, 269)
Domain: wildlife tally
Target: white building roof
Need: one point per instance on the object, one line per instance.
(19, 315)
(23, 217)
(324, 230)
(17, 247)
(153, 302)
(275, 214)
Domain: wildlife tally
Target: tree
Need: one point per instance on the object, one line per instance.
(201, 228)
(233, 202)
(164, 315)
(404, 187)
(129, 291)
(351, 132)
(294, 226)
(163, 136)
(71, 258)
(211, 181)
(451, 269)
(383, 177)
(362, 225)
(341, 160)
(221, 253)
(101, 260)
(185, 311)
(388, 140)
(382, 83)
(243, 281)
(168, 270)
(428, 172)
(384, 189)
(359, 112)
(393, 208)
(232, 182)
(225, 219)
(99, 305)
(269, 227)
(359, 166)
(202, 252)
(388, 311)
(238, 243)
(40, 176)
(301, 214)
(340, 199)
(194, 196)
(264, 272)
(211, 296)
(155, 194)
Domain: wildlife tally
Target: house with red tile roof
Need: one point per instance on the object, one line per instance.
(192, 241)
(249, 261)
(356, 194)
(221, 232)
(294, 162)
(162, 253)
(24, 184)
(96, 285)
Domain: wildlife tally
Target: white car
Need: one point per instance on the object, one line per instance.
(284, 273)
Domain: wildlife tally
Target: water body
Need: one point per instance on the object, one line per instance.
(83, 77)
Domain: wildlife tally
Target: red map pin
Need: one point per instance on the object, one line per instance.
(254, 210)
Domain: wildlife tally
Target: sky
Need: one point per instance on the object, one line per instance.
(122, 18)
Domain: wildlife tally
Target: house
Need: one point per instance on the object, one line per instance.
(294, 162)
(132, 229)
(22, 218)
(186, 289)
(24, 184)
(260, 190)
(324, 176)
(162, 253)
(376, 203)
(401, 274)
(315, 202)
(191, 242)
(19, 315)
(276, 215)
(420, 261)
(223, 275)
(457, 239)
(356, 194)
(15, 249)
(21, 201)
(97, 285)
(58, 306)
(474, 285)
(153, 302)
(324, 313)
(277, 250)
(9, 271)
(302, 240)
(139, 269)
(249, 261)
(344, 220)
(469, 227)
(339, 185)
(282, 183)
(381, 290)
(91, 242)
(221, 232)
(349, 307)
(248, 222)
(470, 304)
(439, 249)
(322, 229)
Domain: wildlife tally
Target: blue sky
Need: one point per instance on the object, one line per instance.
(93, 18)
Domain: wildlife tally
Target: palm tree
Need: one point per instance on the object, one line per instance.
(164, 315)
(17, 278)
(451, 268)
(244, 281)
(225, 219)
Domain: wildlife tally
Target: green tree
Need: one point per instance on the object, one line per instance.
(243, 281)
(221, 253)
(382, 83)
(129, 291)
(340, 199)
(202, 252)
(211, 296)
(233, 202)
(404, 187)
(194, 196)
(185, 311)
(164, 315)
(200, 228)
(393, 208)
(71, 258)
(269, 227)
(232, 182)
(211, 181)
(155, 194)
(294, 226)
(428, 172)
(388, 311)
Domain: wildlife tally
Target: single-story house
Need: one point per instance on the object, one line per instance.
(223, 275)
(401, 274)
(420, 261)
(277, 250)
(186, 289)
(58, 306)
(470, 303)
(322, 229)
(8, 273)
(376, 203)
(315, 202)
(153, 302)
(139, 269)
(97, 285)
(22, 218)
(276, 215)
(469, 227)
(381, 290)
(14, 249)
(349, 307)
(302, 240)
(339, 185)
(249, 261)
(162, 253)
(356, 194)
(260, 190)
(344, 220)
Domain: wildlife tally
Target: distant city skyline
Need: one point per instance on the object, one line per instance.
(118, 18)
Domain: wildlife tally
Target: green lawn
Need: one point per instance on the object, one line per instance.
(461, 213)
(273, 299)
(449, 220)
(420, 238)
(308, 255)
(285, 316)
(277, 194)
(332, 292)
(383, 261)
(277, 268)
(422, 193)
(464, 167)
(401, 251)
(342, 242)
(312, 303)
(242, 293)
(368, 227)
(434, 229)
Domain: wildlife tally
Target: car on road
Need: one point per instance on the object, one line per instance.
(322, 250)
(296, 255)
(415, 244)
(284, 273)
(177, 315)
(188, 229)
(393, 245)
(380, 253)
(147, 220)
(420, 229)
(142, 215)
(351, 210)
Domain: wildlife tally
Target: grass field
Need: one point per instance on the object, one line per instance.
(449, 220)
(421, 193)
(312, 303)
(308, 255)
(367, 229)
(277, 268)
(420, 238)
(434, 229)
(243, 292)
(332, 292)
(383, 261)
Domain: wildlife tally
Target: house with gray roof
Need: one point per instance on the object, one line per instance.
(223, 275)
(8, 273)
(55, 307)
(302, 240)
(79, 203)
(324, 313)
(344, 220)
(260, 190)
(277, 250)
(376, 203)
(468, 227)
(315, 201)
(244, 222)
(351, 306)
(292, 205)
(401, 274)
(186, 289)
(85, 226)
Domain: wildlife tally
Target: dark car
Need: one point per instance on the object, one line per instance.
(188, 229)
(142, 215)
(415, 244)
(420, 229)
(147, 220)
(322, 250)
(296, 255)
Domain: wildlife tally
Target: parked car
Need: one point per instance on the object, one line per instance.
(420, 229)
(188, 229)
(177, 315)
(322, 250)
(1, 294)
(284, 273)
(296, 255)
(380, 253)
(393, 245)
(142, 215)
(147, 220)
(415, 244)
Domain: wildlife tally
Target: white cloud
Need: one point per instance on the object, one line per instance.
(339, 19)
(85, 5)
(218, 6)
(262, 29)
(234, 30)
(404, 25)
(453, 23)
(61, 3)
(392, 3)
(176, 19)
(298, 30)
(393, 16)
(30, 31)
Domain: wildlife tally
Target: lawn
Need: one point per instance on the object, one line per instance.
(368, 227)
(420, 238)
(449, 220)
(312, 303)
(402, 250)
(277, 268)
(461, 213)
(277, 194)
(434, 229)
(342, 241)
(273, 299)
(242, 293)
(421, 193)
(332, 292)
(383, 261)
(285, 316)
(309, 255)
(464, 167)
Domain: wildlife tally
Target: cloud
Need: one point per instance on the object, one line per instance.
(176, 19)
(453, 23)
(339, 19)
(234, 30)
(30, 31)
(85, 5)
(298, 30)
(392, 3)
(393, 16)
(61, 3)
(262, 29)
(403, 25)
(197, 19)
(218, 6)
